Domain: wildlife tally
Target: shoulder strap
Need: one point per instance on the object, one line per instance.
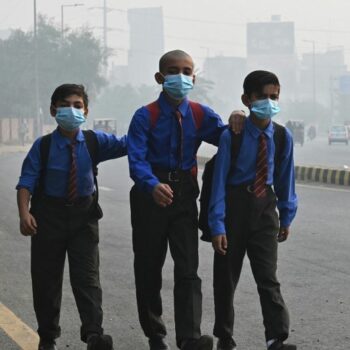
(236, 141)
(45, 144)
(198, 113)
(279, 139)
(154, 111)
(92, 146)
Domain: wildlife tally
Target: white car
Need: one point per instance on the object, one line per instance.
(338, 133)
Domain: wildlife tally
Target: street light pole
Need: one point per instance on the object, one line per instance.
(313, 75)
(62, 16)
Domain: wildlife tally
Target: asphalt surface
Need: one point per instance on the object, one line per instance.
(314, 270)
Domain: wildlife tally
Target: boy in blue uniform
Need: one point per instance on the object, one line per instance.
(58, 176)
(163, 140)
(242, 212)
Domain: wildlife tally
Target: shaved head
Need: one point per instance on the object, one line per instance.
(173, 55)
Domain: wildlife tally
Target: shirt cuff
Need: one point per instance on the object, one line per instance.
(27, 187)
(149, 186)
(217, 230)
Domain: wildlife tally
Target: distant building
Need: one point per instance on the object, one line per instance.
(227, 74)
(329, 67)
(271, 46)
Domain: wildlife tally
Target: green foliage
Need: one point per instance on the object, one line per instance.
(75, 59)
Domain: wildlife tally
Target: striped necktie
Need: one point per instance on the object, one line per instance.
(72, 193)
(261, 168)
(181, 137)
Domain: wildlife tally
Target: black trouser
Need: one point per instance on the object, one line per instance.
(61, 230)
(153, 228)
(251, 226)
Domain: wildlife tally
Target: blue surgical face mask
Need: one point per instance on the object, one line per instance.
(178, 85)
(265, 109)
(70, 118)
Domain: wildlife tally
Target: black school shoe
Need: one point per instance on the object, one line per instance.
(158, 343)
(278, 345)
(47, 345)
(205, 342)
(226, 344)
(100, 342)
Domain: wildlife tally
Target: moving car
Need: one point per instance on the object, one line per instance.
(338, 133)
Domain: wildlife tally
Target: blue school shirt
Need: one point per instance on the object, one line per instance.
(157, 146)
(59, 163)
(244, 172)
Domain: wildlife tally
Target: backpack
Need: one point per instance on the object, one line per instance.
(198, 117)
(92, 147)
(207, 177)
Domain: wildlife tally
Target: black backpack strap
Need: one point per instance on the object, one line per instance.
(279, 139)
(92, 146)
(236, 141)
(45, 145)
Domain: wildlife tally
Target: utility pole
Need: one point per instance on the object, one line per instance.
(38, 128)
(62, 17)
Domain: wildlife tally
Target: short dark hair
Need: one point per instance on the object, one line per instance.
(255, 81)
(173, 53)
(65, 90)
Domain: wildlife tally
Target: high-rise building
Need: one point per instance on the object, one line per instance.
(146, 44)
(271, 46)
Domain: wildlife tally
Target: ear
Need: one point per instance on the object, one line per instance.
(86, 112)
(194, 78)
(159, 78)
(53, 111)
(245, 100)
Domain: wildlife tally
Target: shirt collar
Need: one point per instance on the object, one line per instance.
(167, 108)
(255, 131)
(63, 141)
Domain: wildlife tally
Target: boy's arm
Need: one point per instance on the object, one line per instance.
(110, 146)
(213, 125)
(28, 224)
(284, 185)
(137, 144)
(27, 182)
(217, 207)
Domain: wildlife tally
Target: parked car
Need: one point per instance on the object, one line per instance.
(338, 133)
(106, 125)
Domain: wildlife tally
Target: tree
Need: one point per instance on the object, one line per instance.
(78, 58)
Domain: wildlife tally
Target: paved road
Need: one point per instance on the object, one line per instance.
(313, 269)
(316, 152)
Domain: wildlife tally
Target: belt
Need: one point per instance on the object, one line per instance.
(172, 175)
(64, 202)
(248, 187)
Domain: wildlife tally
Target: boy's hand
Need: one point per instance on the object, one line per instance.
(236, 121)
(28, 225)
(220, 244)
(283, 234)
(162, 194)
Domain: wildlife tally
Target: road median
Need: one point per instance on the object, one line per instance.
(309, 173)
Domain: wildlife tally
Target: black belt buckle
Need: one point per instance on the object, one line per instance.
(173, 176)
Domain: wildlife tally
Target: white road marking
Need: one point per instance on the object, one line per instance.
(324, 188)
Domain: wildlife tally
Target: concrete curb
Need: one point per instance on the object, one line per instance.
(323, 175)
(313, 174)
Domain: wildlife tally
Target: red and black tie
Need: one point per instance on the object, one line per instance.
(261, 168)
(181, 138)
(72, 193)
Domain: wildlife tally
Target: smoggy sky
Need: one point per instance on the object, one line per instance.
(201, 27)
